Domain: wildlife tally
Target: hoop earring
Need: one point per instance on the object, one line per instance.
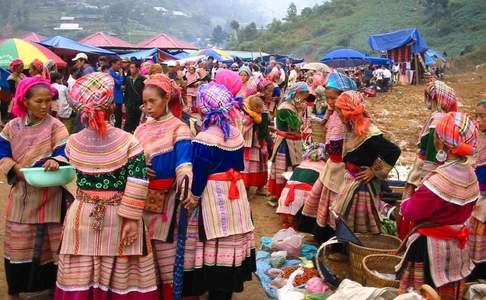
(441, 156)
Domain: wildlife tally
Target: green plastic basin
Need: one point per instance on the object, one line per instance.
(39, 178)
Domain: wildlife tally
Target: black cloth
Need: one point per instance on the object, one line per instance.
(133, 91)
(118, 115)
(133, 119)
(375, 147)
(17, 277)
(309, 225)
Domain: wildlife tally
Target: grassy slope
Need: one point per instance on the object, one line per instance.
(330, 26)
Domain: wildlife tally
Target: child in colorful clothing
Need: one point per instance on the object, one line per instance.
(105, 252)
(33, 139)
(297, 189)
(166, 141)
(437, 250)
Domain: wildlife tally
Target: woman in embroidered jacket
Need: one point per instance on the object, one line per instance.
(437, 252)
(478, 218)
(316, 217)
(104, 252)
(368, 157)
(440, 99)
(225, 256)
(287, 148)
(33, 139)
(166, 141)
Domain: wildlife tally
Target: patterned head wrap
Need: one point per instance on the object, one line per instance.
(231, 80)
(315, 152)
(340, 82)
(351, 105)
(263, 83)
(443, 95)
(14, 63)
(215, 102)
(294, 89)
(92, 96)
(19, 108)
(317, 80)
(245, 69)
(459, 133)
(39, 67)
(163, 82)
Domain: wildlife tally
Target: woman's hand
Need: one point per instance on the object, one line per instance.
(190, 202)
(51, 165)
(365, 175)
(129, 232)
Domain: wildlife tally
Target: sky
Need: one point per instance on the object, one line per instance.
(278, 8)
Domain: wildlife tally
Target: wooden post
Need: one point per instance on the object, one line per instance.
(416, 70)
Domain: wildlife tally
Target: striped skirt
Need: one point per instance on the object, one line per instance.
(256, 166)
(477, 241)
(106, 277)
(19, 246)
(280, 165)
(218, 264)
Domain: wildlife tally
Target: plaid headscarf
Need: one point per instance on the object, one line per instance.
(294, 89)
(215, 101)
(351, 105)
(443, 95)
(39, 67)
(19, 108)
(92, 96)
(459, 133)
(340, 82)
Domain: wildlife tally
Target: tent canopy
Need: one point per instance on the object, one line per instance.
(431, 56)
(164, 41)
(381, 61)
(246, 55)
(3, 79)
(143, 54)
(65, 43)
(344, 58)
(397, 39)
(103, 40)
(32, 37)
(281, 58)
(219, 55)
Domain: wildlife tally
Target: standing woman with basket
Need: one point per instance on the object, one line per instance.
(166, 141)
(287, 146)
(105, 253)
(224, 257)
(368, 158)
(437, 250)
(315, 217)
(33, 139)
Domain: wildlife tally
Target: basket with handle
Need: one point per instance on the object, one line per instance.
(382, 263)
(371, 244)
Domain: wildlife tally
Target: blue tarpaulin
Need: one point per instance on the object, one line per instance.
(65, 43)
(144, 54)
(3, 79)
(431, 56)
(344, 58)
(397, 39)
(380, 61)
(246, 55)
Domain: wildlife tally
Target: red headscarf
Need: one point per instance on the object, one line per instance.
(39, 67)
(351, 105)
(172, 90)
(14, 63)
(458, 132)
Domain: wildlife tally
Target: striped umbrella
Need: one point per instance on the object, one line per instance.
(11, 49)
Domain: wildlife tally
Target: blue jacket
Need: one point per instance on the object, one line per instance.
(118, 92)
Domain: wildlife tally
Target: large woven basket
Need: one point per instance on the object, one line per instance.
(318, 132)
(383, 263)
(372, 244)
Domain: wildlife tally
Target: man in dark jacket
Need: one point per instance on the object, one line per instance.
(134, 84)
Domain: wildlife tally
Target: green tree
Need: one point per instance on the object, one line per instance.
(291, 11)
(306, 12)
(235, 26)
(249, 33)
(219, 36)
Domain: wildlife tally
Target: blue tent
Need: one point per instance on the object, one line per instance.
(3, 79)
(281, 58)
(431, 56)
(397, 39)
(65, 43)
(143, 54)
(344, 58)
(380, 61)
(246, 55)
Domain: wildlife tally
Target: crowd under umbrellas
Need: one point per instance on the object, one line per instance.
(167, 156)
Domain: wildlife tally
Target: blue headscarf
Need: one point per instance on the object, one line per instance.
(294, 89)
(340, 82)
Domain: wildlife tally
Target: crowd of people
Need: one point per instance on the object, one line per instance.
(202, 138)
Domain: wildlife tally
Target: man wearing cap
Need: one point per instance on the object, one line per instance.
(81, 62)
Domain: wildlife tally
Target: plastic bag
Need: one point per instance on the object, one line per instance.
(278, 259)
(287, 240)
(288, 292)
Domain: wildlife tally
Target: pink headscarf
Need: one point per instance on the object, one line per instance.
(39, 66)
(14, 63)
(317, 80)
(19, 108)
(231, 80)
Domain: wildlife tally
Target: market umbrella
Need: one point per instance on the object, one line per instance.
(11, 49)
(344, 58)
(316, 66)
(218, 54)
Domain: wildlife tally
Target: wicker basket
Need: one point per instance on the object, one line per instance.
(318, 132)
(373, 244)
(383, 263)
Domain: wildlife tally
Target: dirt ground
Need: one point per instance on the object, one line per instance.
(399, 113)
